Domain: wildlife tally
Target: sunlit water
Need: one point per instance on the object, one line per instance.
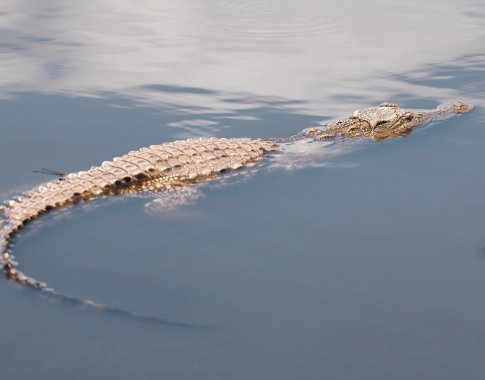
(363, 261)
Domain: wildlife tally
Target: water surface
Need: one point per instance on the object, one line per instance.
(365, 265)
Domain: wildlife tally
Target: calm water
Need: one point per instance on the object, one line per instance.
(365, 265)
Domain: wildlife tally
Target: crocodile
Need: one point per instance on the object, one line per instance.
(171, 165)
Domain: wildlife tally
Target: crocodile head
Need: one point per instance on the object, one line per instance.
(384, 121)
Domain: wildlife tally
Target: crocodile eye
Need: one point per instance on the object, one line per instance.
(380, 123)
(353, 131)
(408, 116)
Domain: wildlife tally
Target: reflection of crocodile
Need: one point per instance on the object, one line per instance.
(182, 163)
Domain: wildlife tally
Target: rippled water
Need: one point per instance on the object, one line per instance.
(367, 264)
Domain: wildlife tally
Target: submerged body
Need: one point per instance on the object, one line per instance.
(155, 169)
(183, 163)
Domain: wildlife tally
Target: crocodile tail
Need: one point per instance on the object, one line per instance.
(7, 262)
(4, 236)
(10, 268)
(115, 312)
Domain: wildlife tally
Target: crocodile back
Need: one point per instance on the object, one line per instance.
(155, 168)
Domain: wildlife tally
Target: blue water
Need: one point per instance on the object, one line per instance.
(363, 265)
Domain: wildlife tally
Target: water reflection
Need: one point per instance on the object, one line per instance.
(463, 75)
(319, 272)
(311, 50)
(55, 131)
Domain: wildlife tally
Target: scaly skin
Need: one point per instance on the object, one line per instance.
(384, 121)
(156, 168)
(183, 163)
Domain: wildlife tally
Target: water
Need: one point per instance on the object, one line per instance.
(367, 265)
